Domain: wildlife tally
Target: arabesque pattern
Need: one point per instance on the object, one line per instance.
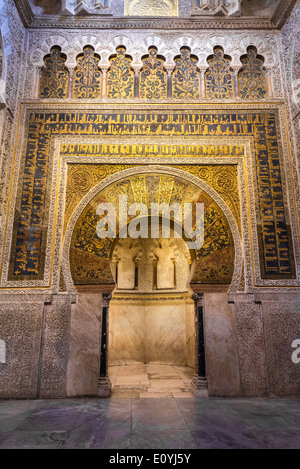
(219, 76)
(120, 76)
(252, 78)
(55, 75)
(153, 77)
(186, 76)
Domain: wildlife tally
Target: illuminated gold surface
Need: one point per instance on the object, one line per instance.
(90, 254)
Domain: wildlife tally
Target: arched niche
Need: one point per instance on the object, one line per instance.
(217, 262)
(151, 315)
(147, 265)
(156, 327)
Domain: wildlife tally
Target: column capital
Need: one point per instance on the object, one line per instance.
(197, 298)
(267, 70)
(106, 297)
(169, 69)
(136, 69)
(39, 71)
(236, 69)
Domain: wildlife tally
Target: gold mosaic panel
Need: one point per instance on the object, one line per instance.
(252, 78)
(153, 77)
(55, 75)
(219, 76)
(90, 255)
(30, 230)
(120, 76)
(87, 75)
(186, 76)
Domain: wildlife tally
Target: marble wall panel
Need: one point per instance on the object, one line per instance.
(85, 339)
(166, 334)
(127, 330)
(151, 332)
(222, 363)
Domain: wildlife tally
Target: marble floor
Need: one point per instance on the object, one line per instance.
(150, 423)
(150, 380)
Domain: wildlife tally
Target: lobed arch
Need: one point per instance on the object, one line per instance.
(178, 246)
(124, 41)
(218, 82)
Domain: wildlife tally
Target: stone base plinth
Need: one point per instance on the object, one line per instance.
(199, 386)
(104, 387)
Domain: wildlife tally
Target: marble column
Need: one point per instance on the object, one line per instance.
(199, 381)
(136, 81)
(37, 82)
(268, 73)
(236, 81)
(202, 82)
(71, 77)
(104, 386)
(104, 81)
(169, 81)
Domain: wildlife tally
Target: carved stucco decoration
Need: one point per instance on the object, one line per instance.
(218, 7)
(291, 61)
(150, 7)
(168, 44)
(137, 44)
(13, 78)
(256, 14)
